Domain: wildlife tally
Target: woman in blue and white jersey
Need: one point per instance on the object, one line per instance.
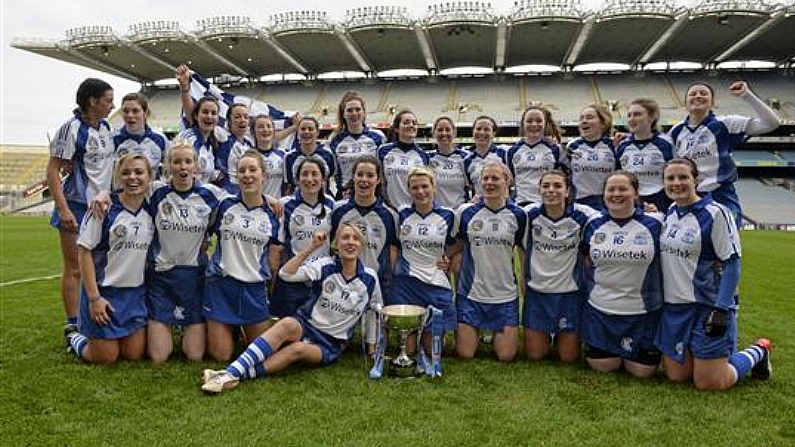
(112, 252)
(263, 132)
(365, 208)
(709, 140)
(308, 131)
(554, 270)
(484, 129)
(591, 157)
(182, 210)
(701, 265)
(620, 319)
(645, 150)
(82, 150)
(487, 295)
(136, 136)
(352, 138)
(237, 142)
(206, 137)
(247, 252)
(447, 162)
(425, 232)
(345, 291)
(537, 152)
(399, 156)
(306, 212)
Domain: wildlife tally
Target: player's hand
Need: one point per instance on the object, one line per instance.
(183, 76)
(68, 220)
(99, 205)
(276, 206)
(716, 323)
(650, 207)
(618, 137)
(738, 88)
(443, 263)
(318, 239)
(101, 311)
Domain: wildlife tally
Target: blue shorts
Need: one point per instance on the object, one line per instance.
(410, 290)
(330, 347)
(626, 336)
(289, 296)
(229, 301)
(77, 208)
(175, 296)
(492, 317)
(682, 329)
(128, 316)
(552, 312)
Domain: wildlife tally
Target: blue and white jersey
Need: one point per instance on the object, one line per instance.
(473, 164)
(527, 162)
(397, 161)
(151, 143)
(590, 162)
(710, 146)
(451, 178)
(341, 303)
(646, 159)
(244, 236)
(554, 260)
(624, 274)
(294, 158)
(299, 223)
(230, 152)
(348, 147)
(693, 239)
(423, 239)
(378, 223)
(205, 153)
(489, 237)
(92, 154)
(274, 180)
(118, 243)
(181, 222)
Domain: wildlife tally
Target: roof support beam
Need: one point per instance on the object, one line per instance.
(286, 55)
(579, 43)
(772, 21)
(112, 69)
(140, 50)
(427, 51)
(664, 38)
(220, 58)
(502, 45)
(350, 45)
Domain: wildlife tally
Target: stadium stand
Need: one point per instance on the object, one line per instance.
(764, 203)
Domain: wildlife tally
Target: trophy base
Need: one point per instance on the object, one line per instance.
(401, 371)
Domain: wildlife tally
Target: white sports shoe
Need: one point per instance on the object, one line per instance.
(216, 382)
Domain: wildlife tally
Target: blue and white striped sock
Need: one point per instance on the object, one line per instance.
(246, 364)
(745, 360)
(78, 342)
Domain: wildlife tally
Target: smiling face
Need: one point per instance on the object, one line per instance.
(250, 174)
(310, 178)
(483, 132)
(698, 99)
(533, 124)
(591, 126)
(638, 119)
(407, 128)
(263, 131)
(421, 189)
(182, 166)
(680, 183)
(207, 117)
(494, 181)
(620, 195)
(349, 242)
(238, 120)
(134, 175)
(365, 180)
(444, 133)
(554, 190)
(134, 116)
(307, 133)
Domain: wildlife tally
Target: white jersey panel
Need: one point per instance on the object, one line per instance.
(451, 178)
(422, 244)
(590, 162)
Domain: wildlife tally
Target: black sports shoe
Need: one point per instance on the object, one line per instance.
(68, 331)
(764, 369)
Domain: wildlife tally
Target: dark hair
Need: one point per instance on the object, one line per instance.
(551, 127)
(321, 195)
(350, 95)
(686, 162)
(652, 108)
(392, 132)
(140, 98)
(253, 124)
(232, 109)
(488, 118)
(195, 117)
(633, 179)
(440, 119)
(709, 87)
(373, 160)
(566, 180)
(90, 88)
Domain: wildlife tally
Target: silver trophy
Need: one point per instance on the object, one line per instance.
(404, 319)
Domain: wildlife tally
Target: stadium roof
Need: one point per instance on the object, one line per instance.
(461, 34)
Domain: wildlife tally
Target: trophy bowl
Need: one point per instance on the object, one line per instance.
(404, 318)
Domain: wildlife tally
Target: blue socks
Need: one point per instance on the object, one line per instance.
(78, 342)
(250, 363)
(745, 360)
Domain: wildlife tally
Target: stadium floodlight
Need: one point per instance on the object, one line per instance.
(731, 7)
(225, 25)
(91, 35)
(542, 10)
(457, 12)
(300, 20)
(155, 30)
(638, 8)
(372, 16)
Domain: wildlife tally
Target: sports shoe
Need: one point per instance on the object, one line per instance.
(764, 369)
(69, 330)
(220, 382)
(208, 374)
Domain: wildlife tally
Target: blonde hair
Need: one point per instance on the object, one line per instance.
(422, 171)
(179, 143)
(122, 163)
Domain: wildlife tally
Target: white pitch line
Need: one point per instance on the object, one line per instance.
(22, 281)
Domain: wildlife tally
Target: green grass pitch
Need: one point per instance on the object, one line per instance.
(48, 398)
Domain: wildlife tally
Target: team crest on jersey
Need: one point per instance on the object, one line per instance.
(229, 218)
(362, 226)
(92, 144)
(167, 209)
(389, 159)
(536, 230)
(202, 163)
(202, 211)
(263, 227)
(641, 239)
(329, 287)
(298, 219)
(598, 238)
(690, 236)
(434, 163)
(120, 230)
(477, 225)
(626, 344)
(441, 230)
(183, 211)
(123, 151)
(405, 229)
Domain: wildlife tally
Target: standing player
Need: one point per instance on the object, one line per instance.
(447, 162)
(620, 320)
(345, 291)
(377, 221)
(709, 140)
(537, 152)
(205, 139)
(247, 251)
(237, 142)
(112, 253)
(484, 129)
(487, 295)
(308, 131)
(645, 151)
(306, 212)
(554, 270)
(399, 157)
(136, 136)
(352, 138)
(701, 261)
(82, 148)
(263, 132)
(591, 157)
